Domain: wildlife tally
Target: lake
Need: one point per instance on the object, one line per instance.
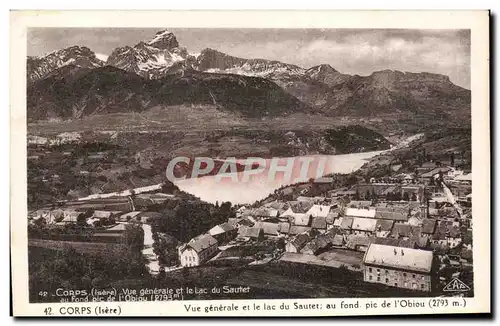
(237, 189)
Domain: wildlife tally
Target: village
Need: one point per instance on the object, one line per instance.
(410, 231)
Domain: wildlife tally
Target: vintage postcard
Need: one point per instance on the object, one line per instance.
(260, 163)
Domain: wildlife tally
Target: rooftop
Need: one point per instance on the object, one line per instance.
(355, 212)
(202, 242)
(404, 258)
(364, 224)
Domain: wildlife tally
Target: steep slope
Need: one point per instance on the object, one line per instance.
(293, 79)
(151, 59)
(214, 61)
(96, 91)
(73, 93)
(396, 92)
(326, 74)
(78, 56)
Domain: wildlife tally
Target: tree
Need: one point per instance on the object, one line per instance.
(81, 220)
(356, 195)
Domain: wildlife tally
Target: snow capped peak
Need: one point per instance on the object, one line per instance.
(102, 56)
(79, 56)
(164, 40)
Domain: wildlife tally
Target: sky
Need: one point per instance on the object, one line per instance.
(350, 51)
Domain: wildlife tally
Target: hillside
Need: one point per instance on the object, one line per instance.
(159, 72)
(71, 92)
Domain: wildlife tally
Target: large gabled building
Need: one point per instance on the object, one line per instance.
(197, 250)
(399, 267)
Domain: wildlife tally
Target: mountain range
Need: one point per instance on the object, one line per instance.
(74, 82)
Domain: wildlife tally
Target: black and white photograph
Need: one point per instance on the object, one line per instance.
(176, 163)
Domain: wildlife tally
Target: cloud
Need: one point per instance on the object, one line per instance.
(368, 51)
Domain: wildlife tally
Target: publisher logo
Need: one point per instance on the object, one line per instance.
(456, 286)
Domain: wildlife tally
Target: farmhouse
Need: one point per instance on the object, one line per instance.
(252, 233)
(197, 250)
(223, 232)
(399, 267)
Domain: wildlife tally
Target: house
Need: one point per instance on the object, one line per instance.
(319, 223)
(117, 228)
(240, 221)
(297, 243)
(401, 231)
(360, 204)
(301, 219)
(428, 227)
(363, 226)
(318, 245)
(149, 217)
(343, 194)
(422, 242)
(467, 239)
(426, 167)
(197, 250)
(383, 228)
(252, 233)
(360, 212)
(359, 243)
(318, 210)
(396, 214)
(284, 227)
(399, 267)
(338, 241)
(306, 199)
(331, 217)
(224, 232)
(296, 229)
(271, 229)
(128, 216)
(387, 241)
(464, 179)
(346, 223)
(106, 214)
(71, 216)
(337, 223)
(453, 236)
(411, 192)
(434, 173)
